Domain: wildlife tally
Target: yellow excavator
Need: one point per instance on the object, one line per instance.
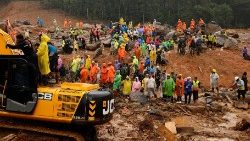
(70, 103)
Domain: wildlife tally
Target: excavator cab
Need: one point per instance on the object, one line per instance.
(18, 88)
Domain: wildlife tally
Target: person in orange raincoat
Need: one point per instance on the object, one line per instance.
(137, 52)
(111, 73)
(148, 39)
(65, 23)
(104, 74)
(201, 22)
(192, 24)
(179, 25)
(84, 75)
(184, 26)
(81, 24)
(141, 67)
(93, 72)
(69, 23)
(122, 53)
(179, 88)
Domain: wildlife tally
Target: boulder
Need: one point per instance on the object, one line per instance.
(171, 127)
(94, 46)
(107, 42)
(221, 39)
(138, 97)
(160, 29)
(163, 131)
(212, 28)
(243, 125)
(231, 43)
(170, 34)
(241, 105)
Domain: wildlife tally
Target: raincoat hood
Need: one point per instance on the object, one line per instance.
(45, 38)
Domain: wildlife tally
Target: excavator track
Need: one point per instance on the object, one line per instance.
(60, 132)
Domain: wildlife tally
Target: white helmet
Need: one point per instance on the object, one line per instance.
(236, 78)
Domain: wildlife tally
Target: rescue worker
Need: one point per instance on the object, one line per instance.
(184, 26)
(137, 51)
(192, 25)
(74, 67)
(136, 87)
(93, 72)
(201, 22)
(144, 85)
(122, 53)
(169, 87)
(144, 49)
(153, 56)
(179, 88)
(29, 55)
(195, 87)
(104, 74)
(241, 88)
(151, 87)
(214, 78)
(117, 83)
(188, 90)
(127, 85)
(65, 23)
(88, 62)
(244, 78)
(84, 74)
(111, 73)
(179, 25)
(43, 57)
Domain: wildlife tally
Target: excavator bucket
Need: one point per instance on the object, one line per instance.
(4, 39)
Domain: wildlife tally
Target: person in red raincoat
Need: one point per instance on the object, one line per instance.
(111, 73)
(93, 72)
(137, 51)
(179, 25)
(84, 75)
(179, 88)
(192, 24)
(104, 74)
(121, 53)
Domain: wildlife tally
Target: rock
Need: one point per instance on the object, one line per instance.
(138, 97)
(9, 137)
(160, 29)
(170, 34)
(212, 28)
(241, 105)
(171, 127)
(196, 109)
(221, 40)
(231, 43)
(107, 42)
(163, 131)
(93, 46)
(51, 30)
(185, 129)
(243, 125)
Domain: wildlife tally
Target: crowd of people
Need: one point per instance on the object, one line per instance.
(140, 73)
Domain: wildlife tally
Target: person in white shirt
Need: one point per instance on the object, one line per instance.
(214, 77)
(151, 85)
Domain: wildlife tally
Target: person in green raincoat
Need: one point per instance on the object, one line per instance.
(117, 81)
(169, 87)
(144, 49)
(127, 86)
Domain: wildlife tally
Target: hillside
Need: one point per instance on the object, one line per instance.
(23, 10)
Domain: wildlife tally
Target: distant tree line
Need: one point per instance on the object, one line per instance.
(227, 13)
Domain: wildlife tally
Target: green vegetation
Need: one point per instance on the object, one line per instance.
(228, 13)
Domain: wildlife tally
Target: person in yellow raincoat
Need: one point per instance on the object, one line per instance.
(88, 62)
(127, 86)
(43, 56)
(152, 56)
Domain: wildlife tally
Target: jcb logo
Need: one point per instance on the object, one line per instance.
(109, 106)
(45, 96)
